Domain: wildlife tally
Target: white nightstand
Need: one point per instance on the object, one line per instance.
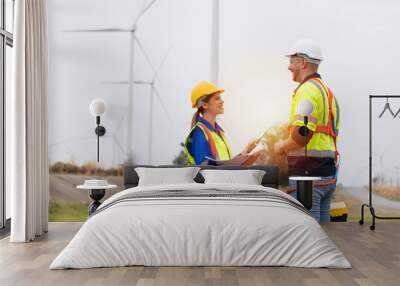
(96, 193)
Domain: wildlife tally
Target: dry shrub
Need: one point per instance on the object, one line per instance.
(114, 172)
(57, 168)
(268, 157)
(89, 168)
(389, 192)
(71, 168)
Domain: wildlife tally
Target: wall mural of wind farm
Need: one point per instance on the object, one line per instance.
(144, 57)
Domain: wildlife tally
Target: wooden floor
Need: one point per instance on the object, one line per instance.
(375, 256)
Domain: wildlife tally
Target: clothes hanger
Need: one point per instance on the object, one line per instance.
(387, 107)
(397, 113)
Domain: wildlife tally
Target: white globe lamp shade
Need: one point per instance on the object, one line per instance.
(97, 107)
(305, 108)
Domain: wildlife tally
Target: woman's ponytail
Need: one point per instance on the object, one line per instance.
(200, 110)
(195, 117)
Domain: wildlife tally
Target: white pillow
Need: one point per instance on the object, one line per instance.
(249, 177)
(163, 176)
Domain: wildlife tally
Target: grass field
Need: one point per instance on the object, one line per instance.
(62, 211)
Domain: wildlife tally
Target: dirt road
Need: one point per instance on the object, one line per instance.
(63, 187)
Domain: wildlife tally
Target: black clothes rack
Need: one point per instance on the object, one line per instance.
(369, 205)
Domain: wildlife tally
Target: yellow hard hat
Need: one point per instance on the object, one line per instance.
(203, 88)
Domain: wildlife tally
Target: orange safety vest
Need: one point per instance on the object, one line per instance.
(210, 140)
(329, 128)
(215, 147)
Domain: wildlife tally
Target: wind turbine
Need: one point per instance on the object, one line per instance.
(397, 168)
(214, 64)
(153, 92)
(117, 143)
(214, 58)
(133, 38)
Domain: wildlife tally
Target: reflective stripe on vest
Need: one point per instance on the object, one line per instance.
(337, 117)
(219, 146)
(324, 96)
(323, 184)
(329, 127)
(313, 153)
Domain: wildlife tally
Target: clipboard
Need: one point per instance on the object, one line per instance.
(241, 160)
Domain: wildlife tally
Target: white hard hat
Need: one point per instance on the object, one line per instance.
(308, 49)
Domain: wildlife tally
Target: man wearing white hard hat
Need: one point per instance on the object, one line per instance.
(318, 133)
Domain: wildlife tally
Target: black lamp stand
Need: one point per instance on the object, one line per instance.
(100, 131)
(305, 146)
(305, 187)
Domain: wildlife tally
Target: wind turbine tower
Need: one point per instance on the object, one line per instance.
(214, 65)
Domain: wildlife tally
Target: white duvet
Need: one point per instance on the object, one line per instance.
(200, 231)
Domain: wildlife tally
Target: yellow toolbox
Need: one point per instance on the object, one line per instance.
(339, 211)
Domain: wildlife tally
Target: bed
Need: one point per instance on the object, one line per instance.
(198, 224)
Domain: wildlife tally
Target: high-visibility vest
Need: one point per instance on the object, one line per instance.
(219, 146)
(323, 121)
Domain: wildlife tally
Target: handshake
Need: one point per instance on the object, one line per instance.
(278, 147)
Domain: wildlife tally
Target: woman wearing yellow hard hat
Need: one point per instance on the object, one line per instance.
(206, 138)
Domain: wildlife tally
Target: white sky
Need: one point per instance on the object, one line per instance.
(358, 38)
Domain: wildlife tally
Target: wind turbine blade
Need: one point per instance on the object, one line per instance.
(141, 82)
(143, 11)
(114, 137)
(114, 82)
(139, 13)
(83, 138)
(119, 124)
(126, 82)
(162, 63)
(146, 56)
(397, 113)
(98, 30)
(162, 103)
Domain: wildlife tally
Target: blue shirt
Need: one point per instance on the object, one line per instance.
(199, 146)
